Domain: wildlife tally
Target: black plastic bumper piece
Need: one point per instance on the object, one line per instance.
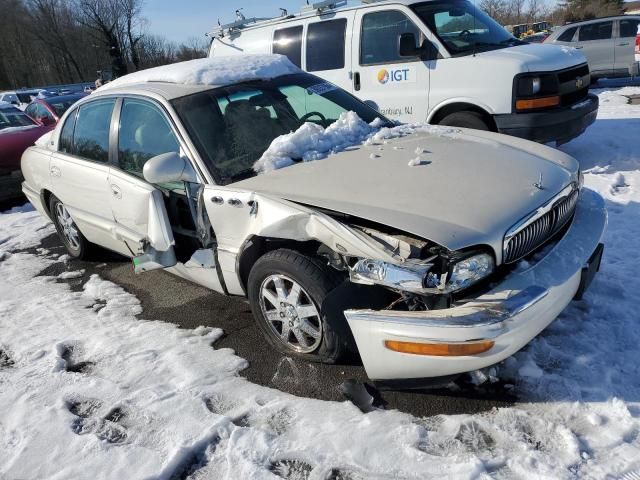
(558, 125)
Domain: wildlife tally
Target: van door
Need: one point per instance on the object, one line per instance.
(328, 48)
(624, 45)
(597, 43)
(398, 86)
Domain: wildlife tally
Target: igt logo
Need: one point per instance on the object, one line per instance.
(394, 76)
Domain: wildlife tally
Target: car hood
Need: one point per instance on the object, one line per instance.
(469, 191)
(536, 57)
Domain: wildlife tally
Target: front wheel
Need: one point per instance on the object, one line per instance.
(286, 291)
(466, 120)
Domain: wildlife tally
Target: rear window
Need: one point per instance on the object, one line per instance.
(567, 36)
(325, 45)
(596, 31)
(628, 28)
(288, 42)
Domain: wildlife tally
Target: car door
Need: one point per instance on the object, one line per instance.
(143, 131)
(397, 86)
(597, 43)
(80, 168)
(326, 52)
(624, 45)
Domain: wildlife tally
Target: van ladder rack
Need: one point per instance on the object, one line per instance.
(322, 6)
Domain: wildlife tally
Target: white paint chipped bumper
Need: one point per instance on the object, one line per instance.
(510, 315)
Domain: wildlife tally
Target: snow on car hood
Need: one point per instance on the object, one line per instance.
(469, 188)
(534, 57)
(214, 71)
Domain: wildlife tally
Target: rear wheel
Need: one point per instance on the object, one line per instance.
(466, 120)
(74, 241)
(286, 291)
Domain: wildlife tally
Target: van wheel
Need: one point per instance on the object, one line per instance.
(286, 291)
(466, 120)
(74, 241)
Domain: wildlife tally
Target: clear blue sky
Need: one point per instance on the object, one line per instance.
(179, 20)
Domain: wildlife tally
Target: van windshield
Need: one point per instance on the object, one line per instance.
(233, 126)
(464, 29)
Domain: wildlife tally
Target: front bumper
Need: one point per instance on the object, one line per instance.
(558, 125)
(510, 315)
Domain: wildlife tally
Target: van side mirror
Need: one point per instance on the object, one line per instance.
(407, 47)
(168, 167)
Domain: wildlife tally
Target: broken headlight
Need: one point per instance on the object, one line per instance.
(409, 278)
(460, 274)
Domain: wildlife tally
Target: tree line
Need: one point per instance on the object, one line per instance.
(514, 12)
(46, 42)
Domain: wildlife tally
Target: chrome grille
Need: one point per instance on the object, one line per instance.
(545, 222)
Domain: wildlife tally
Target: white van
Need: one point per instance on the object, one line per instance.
(441, 61)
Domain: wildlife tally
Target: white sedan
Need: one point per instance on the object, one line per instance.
(429, 251)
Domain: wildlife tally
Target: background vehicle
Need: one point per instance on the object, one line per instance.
(445, 62)
(535, 37)
(17, 132)
(163, 166)
(49, 110)
(608, 44)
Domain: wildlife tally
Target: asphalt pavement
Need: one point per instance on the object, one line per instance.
(169, 298)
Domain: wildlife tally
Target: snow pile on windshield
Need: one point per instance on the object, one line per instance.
(313, 142)
(212, 71)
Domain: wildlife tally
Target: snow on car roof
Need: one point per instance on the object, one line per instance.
(217, 71)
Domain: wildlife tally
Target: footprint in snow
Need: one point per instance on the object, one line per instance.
(109, 428)
(5, 360)
(69, 352)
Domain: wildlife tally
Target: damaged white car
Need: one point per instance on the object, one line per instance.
(428, 251)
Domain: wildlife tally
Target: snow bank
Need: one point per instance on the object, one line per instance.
(312, 142)
(214, 71)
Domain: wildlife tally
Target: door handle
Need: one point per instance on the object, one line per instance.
(623, 44)
(356, 81)
(115, 189)
(55, 172)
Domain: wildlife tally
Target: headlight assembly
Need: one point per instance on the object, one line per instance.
(441, 276)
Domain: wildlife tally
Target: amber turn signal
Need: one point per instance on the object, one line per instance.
(542, 102)
(439, 349)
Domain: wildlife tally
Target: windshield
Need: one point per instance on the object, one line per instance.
(463, 28)
(233, 126)
(14, 118)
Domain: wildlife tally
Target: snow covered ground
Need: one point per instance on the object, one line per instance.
(90, 390)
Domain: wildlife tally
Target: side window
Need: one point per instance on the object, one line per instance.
(31, 111)
(325, 45)
(596, 31)
(288, 42)
(41, 112)
(91, 135)
(144, 133)
(380, 34)
(66, 136)
(568, 34)
(628, 28)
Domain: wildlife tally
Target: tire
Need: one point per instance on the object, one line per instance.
(74, 241)
(466, 120)
(328, 339)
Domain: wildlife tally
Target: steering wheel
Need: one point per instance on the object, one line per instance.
(307, 116)
(464, 33)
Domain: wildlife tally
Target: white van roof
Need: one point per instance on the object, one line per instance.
(251, 23)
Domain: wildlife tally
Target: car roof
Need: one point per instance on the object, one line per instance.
(599, 19)
(193, 76)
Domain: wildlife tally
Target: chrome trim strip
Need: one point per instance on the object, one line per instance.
(469, 315)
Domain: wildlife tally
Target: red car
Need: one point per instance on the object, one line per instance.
(18, 131)
(48, 111)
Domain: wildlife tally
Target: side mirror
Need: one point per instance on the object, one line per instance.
(168, 167)
(407, 47)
